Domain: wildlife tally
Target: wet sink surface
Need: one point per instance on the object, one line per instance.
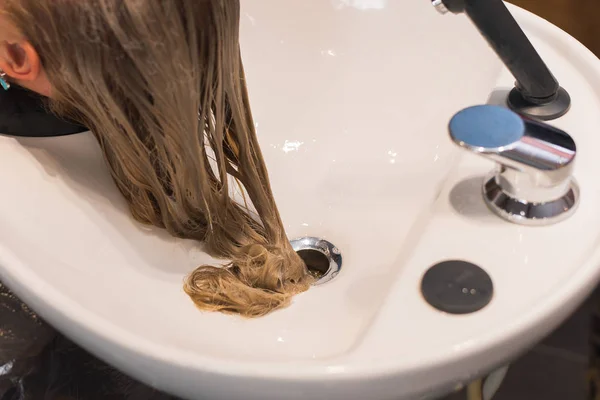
(352, 116)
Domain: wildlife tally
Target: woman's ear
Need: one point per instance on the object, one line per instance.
(21, 62)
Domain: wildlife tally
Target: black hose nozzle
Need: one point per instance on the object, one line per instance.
(537, 93)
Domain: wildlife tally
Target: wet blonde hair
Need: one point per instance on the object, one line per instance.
(161, 85)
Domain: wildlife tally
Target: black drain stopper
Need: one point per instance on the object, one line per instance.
(457, 287)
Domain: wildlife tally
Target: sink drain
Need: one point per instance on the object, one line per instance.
(321, 257)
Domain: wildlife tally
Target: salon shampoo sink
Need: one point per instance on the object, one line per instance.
(352, 100)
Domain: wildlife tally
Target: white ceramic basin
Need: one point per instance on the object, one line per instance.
(352, 100)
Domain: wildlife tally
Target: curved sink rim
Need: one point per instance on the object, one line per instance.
(95, 327)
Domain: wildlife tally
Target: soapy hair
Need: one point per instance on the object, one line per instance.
(161, 85)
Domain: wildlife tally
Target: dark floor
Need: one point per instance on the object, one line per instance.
(556, 368)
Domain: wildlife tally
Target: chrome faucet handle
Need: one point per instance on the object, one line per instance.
(532, 183)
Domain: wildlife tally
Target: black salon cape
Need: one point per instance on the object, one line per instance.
(22, 113)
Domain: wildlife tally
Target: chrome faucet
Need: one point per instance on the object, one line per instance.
(532, 183)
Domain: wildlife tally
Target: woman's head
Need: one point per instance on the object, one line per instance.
(161, 85)
(19, 59)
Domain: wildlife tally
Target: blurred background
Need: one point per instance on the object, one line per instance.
(580, 18)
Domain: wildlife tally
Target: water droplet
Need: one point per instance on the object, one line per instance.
(291, 145)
